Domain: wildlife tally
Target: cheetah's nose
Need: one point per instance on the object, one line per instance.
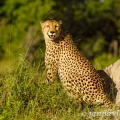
(52, 32)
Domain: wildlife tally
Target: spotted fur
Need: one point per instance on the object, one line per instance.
(78, 76)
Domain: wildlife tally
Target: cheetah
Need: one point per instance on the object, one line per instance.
(78, 76)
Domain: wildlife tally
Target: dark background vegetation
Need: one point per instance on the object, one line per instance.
(94, 25)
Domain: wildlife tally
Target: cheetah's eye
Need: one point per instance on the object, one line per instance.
(47, 26)
(56, 26)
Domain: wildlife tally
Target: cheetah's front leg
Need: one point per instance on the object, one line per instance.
(51, 73)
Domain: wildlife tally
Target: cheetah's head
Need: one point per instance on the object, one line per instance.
(51, 29)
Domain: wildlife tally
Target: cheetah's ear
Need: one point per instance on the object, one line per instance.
(60, 22)
(41, 22)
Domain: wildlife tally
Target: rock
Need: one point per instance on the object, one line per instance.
(113, 71)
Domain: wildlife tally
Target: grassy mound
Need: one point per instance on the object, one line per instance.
(24, 95)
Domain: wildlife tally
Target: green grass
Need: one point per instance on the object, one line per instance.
(24, 95)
